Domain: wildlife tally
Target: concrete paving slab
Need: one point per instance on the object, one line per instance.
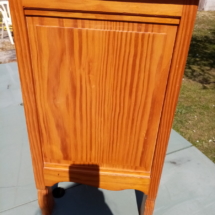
(187, 185)
(12, 116)
(177, 142)
(9, 85)
(30, 208)
(17, 184)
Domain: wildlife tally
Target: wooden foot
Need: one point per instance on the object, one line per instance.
(46, 201)
(147, 207)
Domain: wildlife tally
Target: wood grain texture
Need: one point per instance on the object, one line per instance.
(46, 201)
(148, 207)
(98, 168)
(106, 179)
(28, 93)
(97, 89)
(162, 8)
(172, 93)
(145, 19)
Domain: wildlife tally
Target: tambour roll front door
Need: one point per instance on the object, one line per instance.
(99, 89)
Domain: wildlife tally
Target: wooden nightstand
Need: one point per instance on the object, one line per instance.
(100, 81)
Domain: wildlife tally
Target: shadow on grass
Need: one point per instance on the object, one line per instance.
(201, 59)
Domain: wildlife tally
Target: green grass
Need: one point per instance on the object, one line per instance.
(195, 114)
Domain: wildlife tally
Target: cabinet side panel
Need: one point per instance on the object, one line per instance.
(173, 88)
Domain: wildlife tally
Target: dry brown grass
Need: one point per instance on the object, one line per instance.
(6, 45)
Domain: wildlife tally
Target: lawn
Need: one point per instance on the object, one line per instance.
(195, 114)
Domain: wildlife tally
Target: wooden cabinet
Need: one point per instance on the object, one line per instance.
(100, 82)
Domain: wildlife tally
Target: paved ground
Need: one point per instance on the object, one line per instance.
(187, 186)
(7, 50)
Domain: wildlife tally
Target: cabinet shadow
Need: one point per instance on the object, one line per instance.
(82, 199)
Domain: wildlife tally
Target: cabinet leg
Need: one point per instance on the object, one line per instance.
(147, 207)
(46, 201)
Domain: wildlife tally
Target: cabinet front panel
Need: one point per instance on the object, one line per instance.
(99, 89)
